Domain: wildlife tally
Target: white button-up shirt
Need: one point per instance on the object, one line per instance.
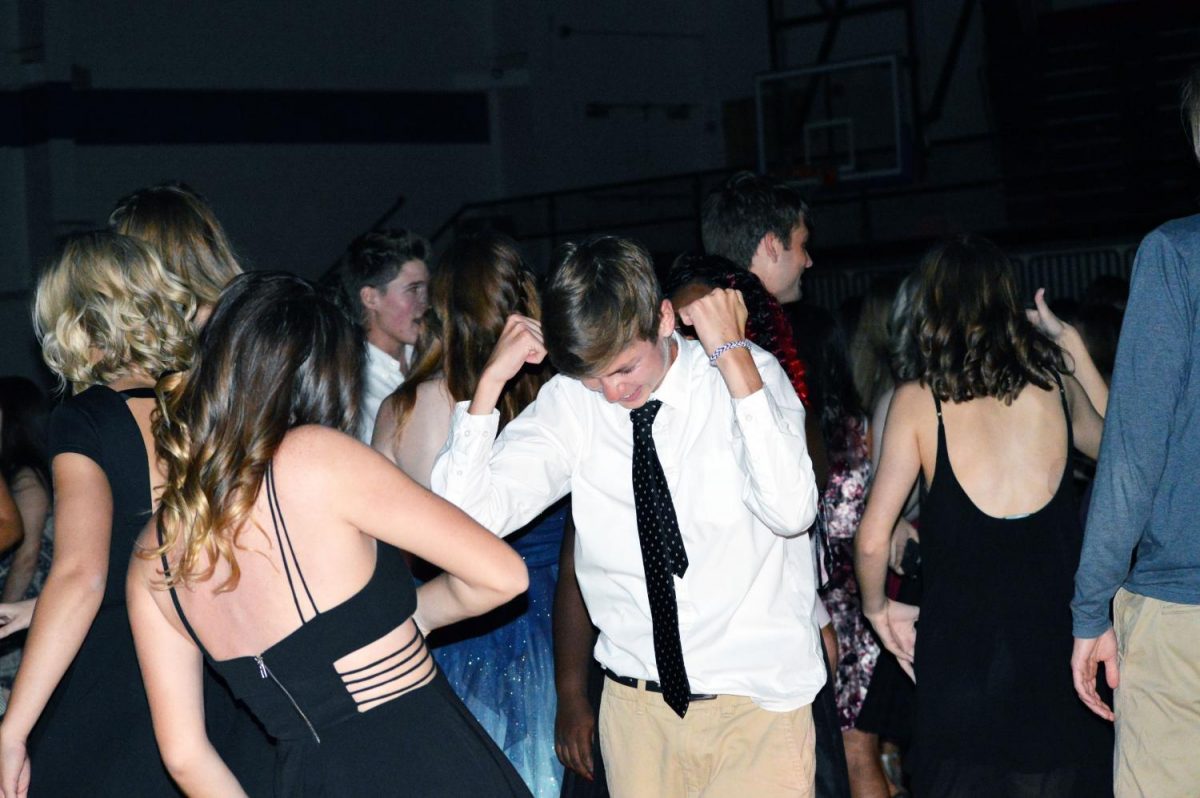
(381, 376)
(744, 492)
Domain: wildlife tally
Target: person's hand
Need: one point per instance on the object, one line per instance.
(519, 343)
(14, 767)
(15, 617)
(901, 534)
(1042, 317)
(718, 317)
(896, 625)
(1085, 657)
(574, 733)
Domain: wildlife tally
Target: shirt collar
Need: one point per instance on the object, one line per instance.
(676, 389)
(378, 359)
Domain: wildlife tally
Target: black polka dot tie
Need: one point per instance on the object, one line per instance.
(662, 555)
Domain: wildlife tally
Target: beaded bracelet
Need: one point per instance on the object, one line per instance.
(723, 348)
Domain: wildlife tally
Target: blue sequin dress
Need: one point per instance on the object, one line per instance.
(502, 664)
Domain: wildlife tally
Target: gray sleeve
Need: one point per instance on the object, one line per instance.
(1151, 366)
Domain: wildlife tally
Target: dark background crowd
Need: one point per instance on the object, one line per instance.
(386, 150)
(1048, 125)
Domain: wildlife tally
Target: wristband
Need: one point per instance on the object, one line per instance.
(723, 348)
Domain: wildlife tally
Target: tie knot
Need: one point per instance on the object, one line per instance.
(646, 413)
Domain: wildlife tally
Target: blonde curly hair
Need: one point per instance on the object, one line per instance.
(107, 308)
(181, 226)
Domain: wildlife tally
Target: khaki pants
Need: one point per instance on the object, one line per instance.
(1158, 698)
(724, 747)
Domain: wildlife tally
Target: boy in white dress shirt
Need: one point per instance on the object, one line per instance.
(385, 280)
(700, 576)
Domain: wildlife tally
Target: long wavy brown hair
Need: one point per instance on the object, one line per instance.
(478, 283)
(972, 336)
(275, 355)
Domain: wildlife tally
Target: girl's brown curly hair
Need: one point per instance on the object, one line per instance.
(973, 337)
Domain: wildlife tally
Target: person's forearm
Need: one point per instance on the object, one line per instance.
(20, 573)
(1085, 369)
(65, 611)
(1103, 567)
(574, 636)
(446, 599)
(506, 486)
(870, 568)
(20, 576)
(740, 373)
(487, 395)
(202, 773)
(780, 487)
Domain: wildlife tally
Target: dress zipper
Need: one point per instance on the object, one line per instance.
(265, 672)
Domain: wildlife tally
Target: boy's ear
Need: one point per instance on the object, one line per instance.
(369, 296)
(769, 246)
(666, 320)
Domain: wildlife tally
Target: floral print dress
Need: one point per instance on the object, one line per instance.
(843, 502)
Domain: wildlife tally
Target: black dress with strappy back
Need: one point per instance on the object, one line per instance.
(94, 736)
(997, 714)
(332, 738)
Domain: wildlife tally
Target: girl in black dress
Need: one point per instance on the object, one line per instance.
(110, 319)
(1000, 402)
(276, 557)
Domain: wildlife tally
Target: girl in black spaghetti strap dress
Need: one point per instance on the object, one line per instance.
(109, 317)
(996, 711)
(276, 557)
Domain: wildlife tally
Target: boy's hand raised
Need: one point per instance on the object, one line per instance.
(718, 317)
(520, 343)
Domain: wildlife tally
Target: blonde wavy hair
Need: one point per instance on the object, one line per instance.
(107, 308)
(274, 356)
(178, 222)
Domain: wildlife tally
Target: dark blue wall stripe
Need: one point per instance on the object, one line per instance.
(140, 116)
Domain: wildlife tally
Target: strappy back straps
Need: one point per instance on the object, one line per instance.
(938, 404)
(281, 535)
(175, 596)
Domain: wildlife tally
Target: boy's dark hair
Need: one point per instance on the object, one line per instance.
(737, 216)
(374, 259)
(602, 297)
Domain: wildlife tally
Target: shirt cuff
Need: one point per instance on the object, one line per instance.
(468, 445)
(1089, 628)
(470, 433)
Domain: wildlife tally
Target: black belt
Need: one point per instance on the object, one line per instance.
(653, 687)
